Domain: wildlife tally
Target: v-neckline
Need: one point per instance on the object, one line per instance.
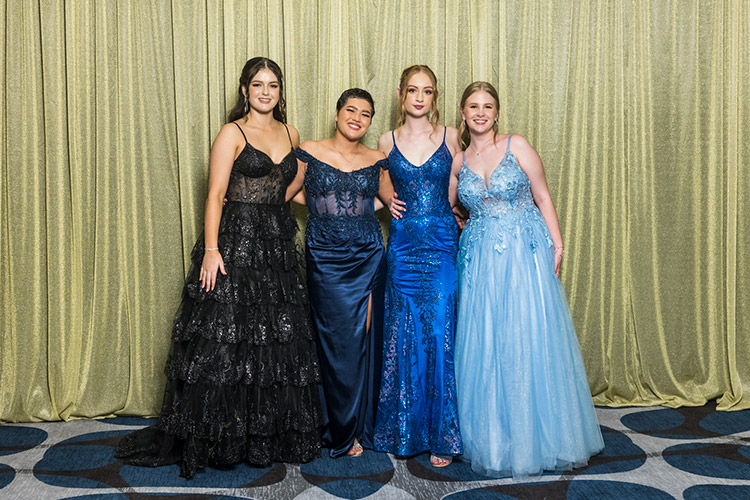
(247, 143)
(486, 181)
(425, 162)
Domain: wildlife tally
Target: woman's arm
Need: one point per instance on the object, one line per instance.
(387, 195)
(223, 152)
(531, 164)
(459, 211)
(452, 140)
(294, 190)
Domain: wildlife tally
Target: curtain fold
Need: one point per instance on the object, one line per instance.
(639, 110)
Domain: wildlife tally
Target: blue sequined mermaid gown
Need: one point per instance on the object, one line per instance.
(524, 401)
(417, 409)
(345, 267)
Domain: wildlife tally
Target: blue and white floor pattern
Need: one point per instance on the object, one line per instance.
(651, 453)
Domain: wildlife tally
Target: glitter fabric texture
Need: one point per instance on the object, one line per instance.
(417, 409)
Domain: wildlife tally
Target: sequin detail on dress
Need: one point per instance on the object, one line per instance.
(242, 375)
(417, 408)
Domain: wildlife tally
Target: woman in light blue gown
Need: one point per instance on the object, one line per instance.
(523, 398)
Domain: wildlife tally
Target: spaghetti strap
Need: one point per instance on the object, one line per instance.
(241, 132)
(463, 156)
(445, 131)
(393, 136)
(289, 135)
(507, 148)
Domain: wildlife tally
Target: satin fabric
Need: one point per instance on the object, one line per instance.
(345, 267)
(340, 281)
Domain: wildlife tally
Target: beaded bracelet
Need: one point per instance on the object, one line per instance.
(209, 249)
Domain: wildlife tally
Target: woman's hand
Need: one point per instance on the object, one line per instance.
(212, 264)
(558, 260)
(460, 221)
(396, 207)
(461, 216)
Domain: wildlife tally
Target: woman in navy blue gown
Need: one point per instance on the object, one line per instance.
(345, 271)
(417, 408)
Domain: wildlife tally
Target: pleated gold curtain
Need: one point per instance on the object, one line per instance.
(639, 110)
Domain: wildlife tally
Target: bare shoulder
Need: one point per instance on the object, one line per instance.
(373, 155)
(385, 143)
(451, 133)
(310, 146)
(294, 134)
(458, 161)
(230, 130)
(229, 136)
(520, 144)
(452, 140)
(526, 155)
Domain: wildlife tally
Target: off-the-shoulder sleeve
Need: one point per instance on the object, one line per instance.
(303, 155)
(382, 163)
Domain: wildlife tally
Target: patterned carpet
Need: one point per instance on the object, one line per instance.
(651, 453)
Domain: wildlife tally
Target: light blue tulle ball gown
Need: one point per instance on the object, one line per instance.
(523, 397)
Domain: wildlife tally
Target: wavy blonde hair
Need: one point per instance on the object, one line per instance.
(404, 83)
(463, 131)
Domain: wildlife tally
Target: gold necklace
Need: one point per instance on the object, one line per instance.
(476, 152)
(342, 154)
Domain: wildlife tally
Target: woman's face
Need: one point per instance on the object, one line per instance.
(420, 93)
(263, 91)
(354, 118)
(479, 112)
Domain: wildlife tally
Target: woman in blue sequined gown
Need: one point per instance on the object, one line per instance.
(345, 271)
(523, 397)
(417, 408)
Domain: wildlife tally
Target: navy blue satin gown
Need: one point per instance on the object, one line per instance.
(417, 410)
(345, 266)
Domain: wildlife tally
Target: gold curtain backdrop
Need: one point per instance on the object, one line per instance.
(640, 110)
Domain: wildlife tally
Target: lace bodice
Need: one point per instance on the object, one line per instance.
(423, 188)
(341, 202)
(255, 178)
(504, 207)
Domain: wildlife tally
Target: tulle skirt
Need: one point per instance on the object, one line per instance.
(523, 397)
(242, 374)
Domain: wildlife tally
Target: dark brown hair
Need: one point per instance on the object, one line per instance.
(252, 67)
(355, 93)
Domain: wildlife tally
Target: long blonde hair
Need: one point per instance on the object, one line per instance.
(405, 77)
(463, 131)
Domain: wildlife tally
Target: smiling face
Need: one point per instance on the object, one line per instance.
(263, 91)
(419, 95)
(354, 117)
(480, 112)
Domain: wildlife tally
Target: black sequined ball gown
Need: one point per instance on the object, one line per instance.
(242, 374)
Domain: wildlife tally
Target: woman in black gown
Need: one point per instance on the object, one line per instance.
(242, 375)
(345, 271)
